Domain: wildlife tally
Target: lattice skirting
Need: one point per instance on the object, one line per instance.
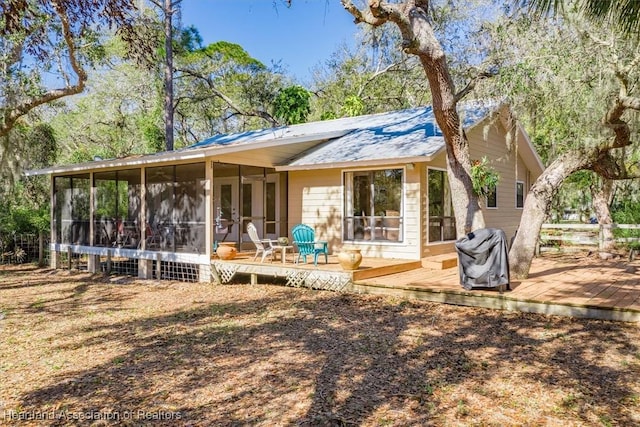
(224, 272)
(311, 279)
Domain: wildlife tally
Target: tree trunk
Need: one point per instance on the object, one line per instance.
(466, 208)
(601, 196)
(536, 205)
(168, 75)
(419, 38)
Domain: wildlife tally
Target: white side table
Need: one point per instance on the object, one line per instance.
(283, 251)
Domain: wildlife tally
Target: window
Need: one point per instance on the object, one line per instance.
(117, 205)
(373, 205)
(175, 208)
(492, 198)
(442, 223)
(71, 209)
(519, 194)
(271, 208)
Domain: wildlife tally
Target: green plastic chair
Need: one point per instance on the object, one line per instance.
(305, 239)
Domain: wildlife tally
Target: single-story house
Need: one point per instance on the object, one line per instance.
(377, 182)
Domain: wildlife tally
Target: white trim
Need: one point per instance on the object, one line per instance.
(192, 258)
(364, 164)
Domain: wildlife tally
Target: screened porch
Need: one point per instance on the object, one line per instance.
(171, 210)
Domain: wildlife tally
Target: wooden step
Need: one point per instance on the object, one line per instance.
(440, 262)
(384, 270)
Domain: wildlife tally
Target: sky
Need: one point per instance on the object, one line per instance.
(300, 37)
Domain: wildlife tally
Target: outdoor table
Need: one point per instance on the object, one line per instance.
(283, 251)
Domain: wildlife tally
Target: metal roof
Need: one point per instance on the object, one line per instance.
(396, 135)
(405, 134)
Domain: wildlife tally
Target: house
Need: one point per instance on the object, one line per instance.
(377, 182)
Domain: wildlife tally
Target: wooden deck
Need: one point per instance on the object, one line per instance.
(580, 286)
(323, 276)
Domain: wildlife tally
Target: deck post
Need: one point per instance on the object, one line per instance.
(215, 275)
(600, 237)
(54, 259)
(93, 263)
(145, 269)
(254, 279)
(158, 266)
(70, 257)
(108, 269)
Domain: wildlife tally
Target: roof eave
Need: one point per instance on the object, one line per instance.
(358, 163)
(186, 154)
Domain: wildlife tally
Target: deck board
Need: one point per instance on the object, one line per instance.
(586, 286)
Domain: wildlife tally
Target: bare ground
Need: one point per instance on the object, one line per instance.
(77, 349)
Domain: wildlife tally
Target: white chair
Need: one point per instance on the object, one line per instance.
(264, 246)
(371, 227)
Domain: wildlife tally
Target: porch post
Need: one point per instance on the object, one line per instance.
(93, 262)
(205, 270)
(145, 266)
(54, 256)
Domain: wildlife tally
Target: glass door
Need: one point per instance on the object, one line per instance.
(226, 209)
(252, 206)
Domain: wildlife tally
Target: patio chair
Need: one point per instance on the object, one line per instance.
(264, 246)
(107, 232)
(152, 236)
(305, 239)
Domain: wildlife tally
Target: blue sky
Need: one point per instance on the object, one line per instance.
(300, 37)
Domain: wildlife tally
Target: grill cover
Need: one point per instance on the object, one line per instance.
(483, 259)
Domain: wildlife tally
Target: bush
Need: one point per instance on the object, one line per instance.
(627, 212)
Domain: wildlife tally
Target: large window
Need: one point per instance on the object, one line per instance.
(72, 195)
(373, 205)
(117, 208)
(442, 223)
(176, 208)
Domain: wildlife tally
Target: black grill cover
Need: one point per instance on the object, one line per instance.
(483, 259)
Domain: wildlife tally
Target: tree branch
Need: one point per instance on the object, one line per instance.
(473, 82)
(376, 74)
(253, 113)
(610, 167)
(363, 16)
(22, 109)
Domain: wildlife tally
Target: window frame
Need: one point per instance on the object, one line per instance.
(495, 196)
(429, 241)
(521, 183)
(347, 192)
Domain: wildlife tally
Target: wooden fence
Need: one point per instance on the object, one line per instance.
(583, 235)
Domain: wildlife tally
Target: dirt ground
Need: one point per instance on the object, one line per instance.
(77, 349)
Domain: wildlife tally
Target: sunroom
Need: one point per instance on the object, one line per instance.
(162, 220)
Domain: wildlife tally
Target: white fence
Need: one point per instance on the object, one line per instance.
(582, 235)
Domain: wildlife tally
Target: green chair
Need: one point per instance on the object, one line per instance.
(305, 239)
